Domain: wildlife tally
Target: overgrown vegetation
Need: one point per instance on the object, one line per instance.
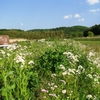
(49, 70)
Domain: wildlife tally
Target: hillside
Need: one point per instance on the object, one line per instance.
(59, 32)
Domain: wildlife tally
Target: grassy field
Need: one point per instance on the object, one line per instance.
(93, 42)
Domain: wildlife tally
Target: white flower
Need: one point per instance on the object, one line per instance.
(44, 90)
(52, 88)
(12, 47)
(91, 54)
(63, 91)
(71, 56)
(90, 76)
(2, 52)
(30, 62)
(41, 40)
(64, 73)
(52, 84)
(44, 97)
(8, 54)
(54, 95)
(53, 75)
(80, 69)
(62, 67)
(71, 71)
(89, 96)
(19, 59)
(63, 81)
(55, 86)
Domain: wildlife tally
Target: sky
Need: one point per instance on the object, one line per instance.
(46, 14)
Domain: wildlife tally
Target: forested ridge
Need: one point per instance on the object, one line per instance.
(59, 32)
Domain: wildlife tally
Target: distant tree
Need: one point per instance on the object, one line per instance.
(74, 34)
(85, 33)
(96, 29)
(80, 34)
(91, 34)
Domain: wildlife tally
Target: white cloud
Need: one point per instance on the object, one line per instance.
(94, 10)
(91, 2)
(67, 16)
(77, 16)
(21, 24)
(81, 20)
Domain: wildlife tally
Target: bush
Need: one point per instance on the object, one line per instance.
(91, 34)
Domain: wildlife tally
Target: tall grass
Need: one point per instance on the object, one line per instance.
(92, 42)
(49, 70)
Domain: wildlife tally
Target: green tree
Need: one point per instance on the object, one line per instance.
(91, 34)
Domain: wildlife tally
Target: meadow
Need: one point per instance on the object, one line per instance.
(93, 42)
(49, 70)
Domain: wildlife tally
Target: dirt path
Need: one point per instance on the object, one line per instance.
(16, 40)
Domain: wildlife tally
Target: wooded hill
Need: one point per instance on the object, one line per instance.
(59, 32)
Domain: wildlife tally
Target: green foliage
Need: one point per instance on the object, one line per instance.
(91, 34)
(50, 70)
(60, 32)
(50, 60)
(95, 29)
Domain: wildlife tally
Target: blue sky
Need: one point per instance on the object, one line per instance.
(45, 14)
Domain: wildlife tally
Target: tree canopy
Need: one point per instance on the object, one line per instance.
(95, 29)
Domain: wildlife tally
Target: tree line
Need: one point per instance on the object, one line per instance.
(59, 32)
(92, 31)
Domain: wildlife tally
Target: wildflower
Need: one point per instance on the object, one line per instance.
(2, 52)
(64, 73)
(90, 76)
(95, 79)
(63, 91)
(63, 81)
(91, 54)
(21, 66)
(80, 69)
(65, 39)
(54, 95)
(71, 71)
(95, 98)
(53, 75)
(62, 67)
(71, 56)
(98, 66)
(8, 54)
(52, 84)
(41, 40)
(30, 62)
(44, 97)
(12, 47)
(49, 84)
(19, 59)
(44, 90)
(89, 96)
(55, 86)
(52, 88)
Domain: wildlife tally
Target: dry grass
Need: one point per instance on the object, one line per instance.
(17, 40)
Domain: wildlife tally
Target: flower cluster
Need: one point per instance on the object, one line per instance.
(71, 56)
